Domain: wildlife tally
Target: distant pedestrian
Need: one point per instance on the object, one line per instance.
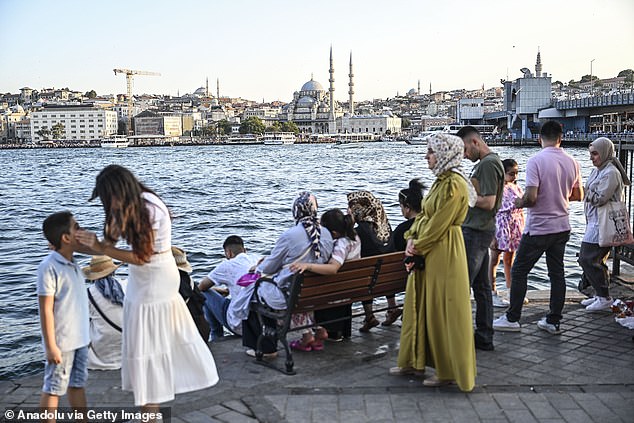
(605, 184)
(509, 225)
(553, 180)
(478, 228)
(63, 310)
(163, 353)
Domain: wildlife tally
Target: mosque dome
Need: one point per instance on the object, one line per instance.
(200, 91)
(312, 86)
(305, 101)
(412, 92)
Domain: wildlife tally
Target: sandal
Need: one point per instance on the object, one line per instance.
(369, 324)
(317, 346)
(391, 316)
(321, 334)
(297, 345)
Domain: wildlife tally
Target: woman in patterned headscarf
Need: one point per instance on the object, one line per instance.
(437, 326)
(307, 241)
(375, 233)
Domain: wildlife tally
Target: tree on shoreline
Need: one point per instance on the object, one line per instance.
(58, 130)
(252, 125)
(44, 133)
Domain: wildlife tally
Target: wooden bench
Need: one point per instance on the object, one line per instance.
(357, 280)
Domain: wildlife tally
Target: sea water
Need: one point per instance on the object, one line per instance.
(212, 192)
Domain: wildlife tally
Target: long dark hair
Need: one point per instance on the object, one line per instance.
(335, 220)
(411, 197)
(508, 164)
(129, 218)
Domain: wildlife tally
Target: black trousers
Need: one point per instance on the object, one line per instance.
(251, 329)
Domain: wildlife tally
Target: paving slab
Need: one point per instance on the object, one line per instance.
(585, 374)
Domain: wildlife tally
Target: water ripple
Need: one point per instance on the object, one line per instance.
(213, 192)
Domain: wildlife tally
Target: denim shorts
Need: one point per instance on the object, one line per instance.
(72, 371)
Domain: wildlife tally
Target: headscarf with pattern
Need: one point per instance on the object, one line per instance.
(449, 151)
(365, 207)
(305, 212)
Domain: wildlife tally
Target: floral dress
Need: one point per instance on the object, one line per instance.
(509, 221)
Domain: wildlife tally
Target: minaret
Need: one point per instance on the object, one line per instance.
(538, 64)
(207, 87)
(332, 95)
(418, 91)
(351, 89)
(430, 88)
(218, 90)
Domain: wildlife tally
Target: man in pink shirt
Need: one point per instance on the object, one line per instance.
(552, 181)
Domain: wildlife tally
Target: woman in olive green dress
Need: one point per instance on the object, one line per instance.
(437, 323)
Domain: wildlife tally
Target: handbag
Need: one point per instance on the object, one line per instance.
(614, 224)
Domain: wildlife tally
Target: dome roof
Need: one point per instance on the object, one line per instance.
(312, 86)
(306, 101)
(200, 91)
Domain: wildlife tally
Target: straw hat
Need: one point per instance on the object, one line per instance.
(100, 266)
(181, 259)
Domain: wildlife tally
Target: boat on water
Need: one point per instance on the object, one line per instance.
(115, 141)
(351, 140)
(279, 138)
(347, 144)
(244, 139)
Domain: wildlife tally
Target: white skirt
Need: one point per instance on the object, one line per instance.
(162, 352)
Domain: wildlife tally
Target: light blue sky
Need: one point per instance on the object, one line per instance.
(268, 49)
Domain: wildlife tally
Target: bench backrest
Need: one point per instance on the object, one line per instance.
(357, 280)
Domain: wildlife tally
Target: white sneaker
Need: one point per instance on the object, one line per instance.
(499, 301)
(549, 327)
(601, 303)
(588, 301)
(502, 324)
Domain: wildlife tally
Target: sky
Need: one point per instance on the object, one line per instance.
(266, 50)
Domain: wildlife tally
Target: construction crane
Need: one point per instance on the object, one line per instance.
(129, 74)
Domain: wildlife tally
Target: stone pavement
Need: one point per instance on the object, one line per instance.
(586, 374)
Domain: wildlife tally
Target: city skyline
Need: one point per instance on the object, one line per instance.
(267, 50)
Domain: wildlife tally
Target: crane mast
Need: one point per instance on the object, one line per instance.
(129, 75)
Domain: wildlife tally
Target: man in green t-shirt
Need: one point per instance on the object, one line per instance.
(478, 228)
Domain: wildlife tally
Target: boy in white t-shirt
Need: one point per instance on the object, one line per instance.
(220, 311)
(63, 310)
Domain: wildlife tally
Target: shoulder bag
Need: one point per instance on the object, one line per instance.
(614, 224)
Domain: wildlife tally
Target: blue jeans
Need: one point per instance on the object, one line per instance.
(531, 248)
(215, 310)
(477, 246)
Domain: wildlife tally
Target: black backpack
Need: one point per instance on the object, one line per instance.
(194, 300)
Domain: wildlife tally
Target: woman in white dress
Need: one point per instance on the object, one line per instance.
(162, 353)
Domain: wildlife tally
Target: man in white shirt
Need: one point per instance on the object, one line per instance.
(221, 310)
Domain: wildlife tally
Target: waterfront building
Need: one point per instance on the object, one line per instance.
(370, 124)
(314, 110)
(80, 122)
(150, 123)
(310, 109)
(267, 114)
(470, 111)
(524, 98)
(10, 118)
(23, 131)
